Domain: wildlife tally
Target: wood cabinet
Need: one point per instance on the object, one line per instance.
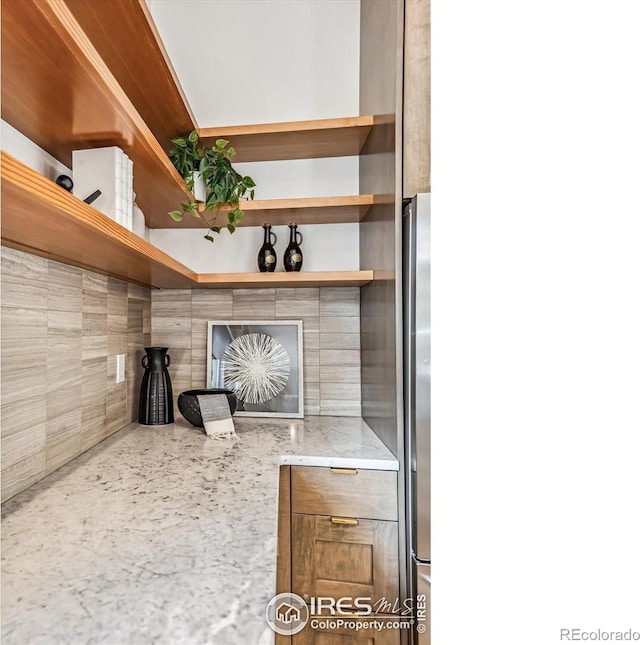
(338, 538)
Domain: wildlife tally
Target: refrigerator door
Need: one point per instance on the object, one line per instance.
(417, 355)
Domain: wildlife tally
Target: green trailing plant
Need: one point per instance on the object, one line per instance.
(224, 185)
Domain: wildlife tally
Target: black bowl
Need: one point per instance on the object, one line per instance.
(190, 408)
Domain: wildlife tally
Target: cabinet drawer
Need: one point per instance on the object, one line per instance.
(347, 492)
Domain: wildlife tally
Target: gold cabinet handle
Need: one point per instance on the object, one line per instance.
(344, 471)
(350, 521)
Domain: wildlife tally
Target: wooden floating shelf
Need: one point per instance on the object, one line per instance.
(295, 139)
(304, 210)
(284, 280)
(58, 92)
(42, 218)
(156, 93)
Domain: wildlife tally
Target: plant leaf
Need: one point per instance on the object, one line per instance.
(231, 228)
(216, 229)
(176, 215)
(248, 182)
(193, 136)
(252, 193)
(208, 237)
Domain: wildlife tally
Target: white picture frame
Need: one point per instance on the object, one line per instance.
(261, 361)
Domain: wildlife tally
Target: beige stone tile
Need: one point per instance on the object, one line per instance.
(20, 476)
(93, 432)
(20, 353)
(64, 332)
(146, 318)
(116, 407)
(94, 381)
(339, 325)
(63, 383)
(65, 288)
(19, 293)
(94, 347)
(94, 324)
(254, 304)
(171, 325)
(117, 296)
(310, 341)
(22, 444)
(311, 398)
(134, 317)
(340, 301)
(116, 334)
(212, 304)
(294, 304)
(23, 323)
(136, 292)
(341, 374)
(339, 391)
(342, 358)
(172, 340)
(25, 383)
(23, 266)
(170, 303)
(340, 408)
(23, 414)
(338, 341)
(63, 439)
(94, 293)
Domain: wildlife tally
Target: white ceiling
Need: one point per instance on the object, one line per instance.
(262, 61)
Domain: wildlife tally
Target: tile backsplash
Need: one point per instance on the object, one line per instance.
(61, 329)
(331, 336)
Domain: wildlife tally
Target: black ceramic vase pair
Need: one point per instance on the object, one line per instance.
(267, 257)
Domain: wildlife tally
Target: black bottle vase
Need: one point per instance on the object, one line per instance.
(293, 255)
(267, 254)
(156, 394)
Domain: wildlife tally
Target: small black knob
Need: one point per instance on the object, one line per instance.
(65, 182)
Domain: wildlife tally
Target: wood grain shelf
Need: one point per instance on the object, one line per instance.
(304, 210)
(42, 218)
(284, 280)
(58, 92)
(296, 139)
(156, 94)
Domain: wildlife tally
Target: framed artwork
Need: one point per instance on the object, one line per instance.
(261, 361)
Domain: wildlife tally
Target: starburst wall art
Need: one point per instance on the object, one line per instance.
(261, 361)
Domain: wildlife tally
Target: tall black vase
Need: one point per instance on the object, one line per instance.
(156, 395)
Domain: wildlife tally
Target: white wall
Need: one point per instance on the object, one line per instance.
(327, 247)
(257, 61)
(291, 61)
(30, 154)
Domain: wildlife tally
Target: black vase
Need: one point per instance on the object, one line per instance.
(156, 395)
(267, 254)
(293, 253)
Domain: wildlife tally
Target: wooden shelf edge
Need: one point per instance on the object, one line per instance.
(286, 127)
(318, 138)
(284, 280)
(303, 210)
(33, 204)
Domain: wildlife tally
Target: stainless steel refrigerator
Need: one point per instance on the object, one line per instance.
(417, 405)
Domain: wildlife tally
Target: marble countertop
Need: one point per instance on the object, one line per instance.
(161, 535)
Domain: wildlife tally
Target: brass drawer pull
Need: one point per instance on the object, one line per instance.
(351, 521)
(344, 471)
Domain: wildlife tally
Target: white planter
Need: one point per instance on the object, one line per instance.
(199, 189)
